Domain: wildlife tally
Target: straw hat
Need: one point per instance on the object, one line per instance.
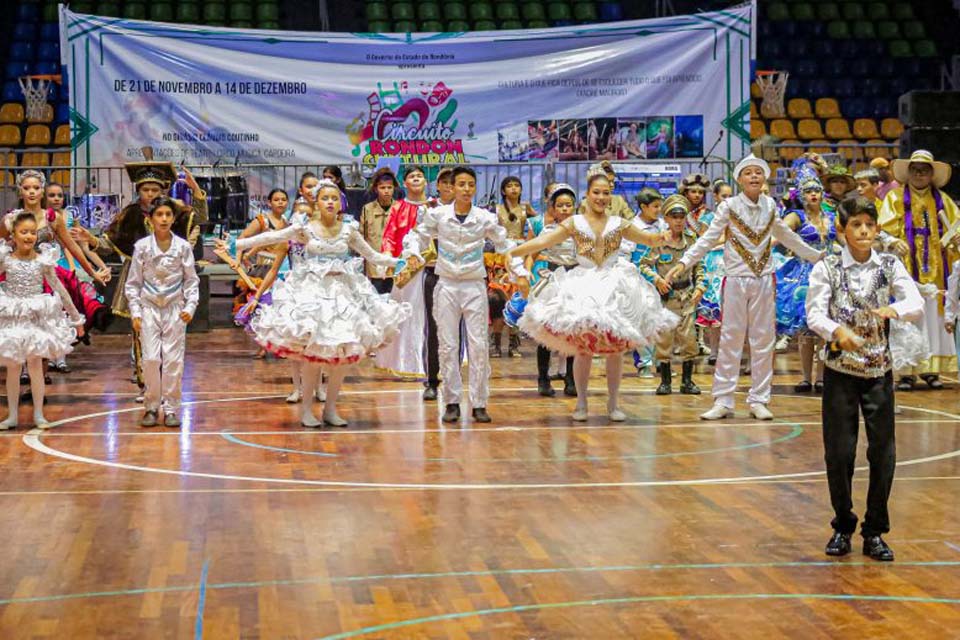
(840, 172)
(941, 170)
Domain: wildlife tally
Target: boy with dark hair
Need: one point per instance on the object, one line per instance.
(848, 305)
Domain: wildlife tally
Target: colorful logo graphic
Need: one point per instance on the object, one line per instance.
(415, 125)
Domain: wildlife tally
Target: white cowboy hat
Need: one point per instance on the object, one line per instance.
(941, 170)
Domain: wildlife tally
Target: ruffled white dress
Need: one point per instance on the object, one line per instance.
(326, 311)
(601, 306)
(33, 323)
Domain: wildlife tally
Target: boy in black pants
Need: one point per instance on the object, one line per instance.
(849, 306)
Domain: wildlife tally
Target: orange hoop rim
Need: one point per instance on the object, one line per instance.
(55, 77)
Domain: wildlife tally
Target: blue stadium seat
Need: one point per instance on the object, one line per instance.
(855, 108)
(27, 12)
(883, 108)
(873, 49)
(770, 49)
(610, 11)
(913, 68)
(835, 68)
(885, 68)
(53, 93)
(798, 49)
(22, 51)
(46, 68)
(818, 87)
(844, 88)
(766, 29)
(847, 49)
(805, 67)
(796, 88)
(898, 85)
(872, 89)
(816, 29)
(11, 92)
(62, 113)
(825, 48)
(50, 32)
(14, 70)
(786, 29)
(24, 31)
(48, 52)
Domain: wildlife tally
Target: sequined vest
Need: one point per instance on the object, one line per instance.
(851, 310)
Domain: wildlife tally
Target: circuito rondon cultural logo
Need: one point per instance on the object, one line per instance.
(414, 124)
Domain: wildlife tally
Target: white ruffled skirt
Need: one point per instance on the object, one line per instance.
(327, 312)
(34, 327)
(605, 310)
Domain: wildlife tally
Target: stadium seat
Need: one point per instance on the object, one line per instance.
(610, 11)
(83, 6)
(757, 129)
(754, 111)
(838, 29)
(852, 11)
(798, 108)
(533, 11)
(914, 30)
(108, 8)
(802, 11)
(430, 26)
(25, 31)
(838, 129)
(11, 113)
(850, 149)
(47, 68)
(798, 49)
(454, 11)
(806, 68)
(484, 25)
(538, 24)
(480, 11)
(507, 11)
(61, 159)
(62, 113)
(902, 11)
(925, 49)
(9, 135)
(828, 12)
(27, 12)
(214, 12)
(60, 176)
(426, 11)
(50, 32)
(891, 128)
(585, 12)
(844, 88)
(379, 26)
(791, 152)
(16, 69)
(900, 49)
(888, 30)
(50, 13)
(11, 92)
(268, 12)
(559, 11)
(809, 129)
(865, 128)
(188, 13)
(777, 11)
(783, 129)
(62, 136)
(876, 149)
(243, 12)
(22, 51)
(819, 146)
(37, 135)
(509, 25)
(863, 30)
(835, 68)
(827, 108)
(48, 52)
(162, 12)
(271, 25)
(404, 26)
(135, 11)
(878, 11)
(378, 11)
(35, 159)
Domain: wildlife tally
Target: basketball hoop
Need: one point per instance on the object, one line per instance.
(35, 90)
(773, 85)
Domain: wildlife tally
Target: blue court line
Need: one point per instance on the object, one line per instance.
(639, 599)
(795, 432)
(491, 572)
(201, 601)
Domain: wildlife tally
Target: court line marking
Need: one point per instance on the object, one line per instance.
(334, 580)
(201, 601)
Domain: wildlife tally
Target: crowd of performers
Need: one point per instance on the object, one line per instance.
(861, 269)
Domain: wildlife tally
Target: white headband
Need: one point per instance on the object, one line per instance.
(325, 183)
(31, 173)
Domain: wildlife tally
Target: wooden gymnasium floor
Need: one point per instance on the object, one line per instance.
(245, 525)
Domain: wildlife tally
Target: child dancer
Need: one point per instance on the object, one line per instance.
(512, 213)
(373, 220)
(32, 323)
(848, 305)
(603, 306)
(708, 311)
(680, 297)
(326, 313)
(749, 291)
(162, 291)
(460, 230)
(650, 201)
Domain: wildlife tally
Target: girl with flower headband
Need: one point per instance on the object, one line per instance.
(326, 313)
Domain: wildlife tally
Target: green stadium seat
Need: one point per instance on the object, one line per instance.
(559, 11)
(838, 30)
(878, 11)
(161, 12)
(537, 24)
(828, 12)
(268, 12)
(510, 25)
(507, 11)
(585, 12)
(431, 26)
(864, 30)
(802, 11)
(778, 11)
(83, 7)
(902, 11)
(454, 11)
(402, 11)
(404, 26)
(852, 11)
(272, 25)
(481, 11)
(240, 11)
(214, 12)
(111, 9)
(533, 11)
(914, 30)
(888, 30)
(135, 11)
(188, 12)
(377, 11)
(50, 13)
(484, 25)
(458, 26)
(925, 49)
(900, 49)
(241, 24)
(427, 11)
(379, 26)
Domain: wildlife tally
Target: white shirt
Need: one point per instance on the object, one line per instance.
(908, 305)
(161, 277)
(459, 244)
(761, 220)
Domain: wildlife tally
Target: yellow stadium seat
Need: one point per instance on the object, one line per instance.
(35, 159)
(820, 146)
(754, 112)
(891, 128)
(61, 176)
(62, 136)
(791, 152)
(755, 91)
(838, 128)
(9, 135)
(865, 128)
(773, 167)
(9, 159)
(798, 108)
(877, 148)
(11, 113)
(782, 129)
(809, 129)
(827, 108)
(61, 159)
(853, 152)
(757, 129)
(37, 135)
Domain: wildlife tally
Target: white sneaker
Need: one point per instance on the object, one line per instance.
(321, 393)
(307, 419)
(617, 416)
(760, 411)
(9, 423)
(580, 415)
(717, 412)
(294, 397)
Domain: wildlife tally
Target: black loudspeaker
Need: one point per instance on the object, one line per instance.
(930, 109)
(944, 143)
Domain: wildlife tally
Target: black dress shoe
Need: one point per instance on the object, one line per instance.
(876, 548)
(63, 367)
(47, 379)
(818, 387)
(480, 415)
(803, 387)
(544, 388)
(570, 389)
(933, 381)
(430, 393)
(838, 545)
(24, 378)
(451, 413)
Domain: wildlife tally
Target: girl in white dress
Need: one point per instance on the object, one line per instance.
(326, 313)
(603, 306)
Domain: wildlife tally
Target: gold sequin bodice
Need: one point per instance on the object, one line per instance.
(596, 249)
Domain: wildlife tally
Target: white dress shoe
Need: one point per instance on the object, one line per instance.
(717, 412)
(760, 412)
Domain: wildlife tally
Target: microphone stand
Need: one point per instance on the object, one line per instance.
(709, 153)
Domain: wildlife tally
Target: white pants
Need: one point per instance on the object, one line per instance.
(747, 303)
(453, 300)
(163, 343)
